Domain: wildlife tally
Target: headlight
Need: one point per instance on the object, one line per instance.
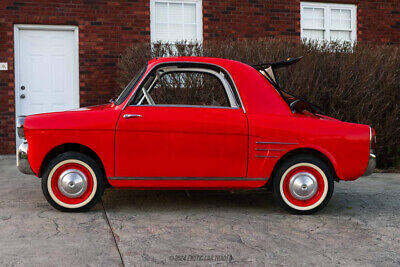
(20, 126)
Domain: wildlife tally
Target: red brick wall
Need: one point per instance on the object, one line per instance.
(238, 19)
(106, 28)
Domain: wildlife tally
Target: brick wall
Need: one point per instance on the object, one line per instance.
(106, 28)
(238, 19)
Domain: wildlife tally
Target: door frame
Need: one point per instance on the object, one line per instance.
(17, 58)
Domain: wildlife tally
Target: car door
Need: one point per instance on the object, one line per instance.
(183, 131)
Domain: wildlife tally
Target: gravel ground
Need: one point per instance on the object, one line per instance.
(359, 227)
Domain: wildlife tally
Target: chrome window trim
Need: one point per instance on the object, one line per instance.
(186, 106)
(174, 69)
(140, 83)
(147, 96)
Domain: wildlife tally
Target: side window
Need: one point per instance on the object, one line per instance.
(189, 88)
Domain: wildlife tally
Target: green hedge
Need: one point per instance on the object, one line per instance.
(356, 84)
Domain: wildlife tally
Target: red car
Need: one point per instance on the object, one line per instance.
(196, 123)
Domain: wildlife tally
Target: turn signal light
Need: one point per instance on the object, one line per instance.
(373, 139)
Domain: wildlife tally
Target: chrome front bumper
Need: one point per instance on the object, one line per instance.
(371, 165)
(22, 159)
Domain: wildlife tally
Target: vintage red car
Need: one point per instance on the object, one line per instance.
(196, 123)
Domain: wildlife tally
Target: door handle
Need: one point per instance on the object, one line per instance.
(22, 96)
(128, 116)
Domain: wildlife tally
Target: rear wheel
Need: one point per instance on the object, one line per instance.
(303, 184)
(72, 181)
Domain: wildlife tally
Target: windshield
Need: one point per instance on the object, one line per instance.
(128, 89)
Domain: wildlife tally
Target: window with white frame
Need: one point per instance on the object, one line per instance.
(176, 20)
(330, 22)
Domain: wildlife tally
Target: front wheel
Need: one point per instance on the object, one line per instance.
(303, 184)
(72, 181)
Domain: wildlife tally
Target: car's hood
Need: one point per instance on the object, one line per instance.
(89, 108)
(92, 108)
(93, 117)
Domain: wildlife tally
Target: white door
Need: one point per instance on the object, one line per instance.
(46, 69)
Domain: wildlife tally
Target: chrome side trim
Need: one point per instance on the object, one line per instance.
(22, 159)
(276, 143)
(260, 156)
(371, 165)
(188, 178)
(269, 149)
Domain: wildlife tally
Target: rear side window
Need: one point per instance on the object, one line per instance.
(189, 88)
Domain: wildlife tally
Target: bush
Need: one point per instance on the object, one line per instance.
(357, 84)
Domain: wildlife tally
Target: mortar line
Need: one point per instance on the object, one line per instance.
(112, 232)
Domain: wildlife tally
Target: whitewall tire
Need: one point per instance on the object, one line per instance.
(72, 181)
(303, 184)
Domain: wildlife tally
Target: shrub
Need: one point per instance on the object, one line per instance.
(357, 84)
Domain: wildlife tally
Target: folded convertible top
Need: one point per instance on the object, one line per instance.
(268, 69)
(276, 65)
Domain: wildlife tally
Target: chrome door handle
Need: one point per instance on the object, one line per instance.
(128, 116)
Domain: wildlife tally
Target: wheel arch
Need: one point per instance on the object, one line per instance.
(73, 147)
(305, 151)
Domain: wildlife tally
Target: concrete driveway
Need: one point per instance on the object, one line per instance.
(360, 227)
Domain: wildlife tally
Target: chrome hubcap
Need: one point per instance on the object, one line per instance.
(72, 183)
(303, 185)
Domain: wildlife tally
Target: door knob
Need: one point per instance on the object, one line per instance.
(22, 96)
(22, 87)
(128, 116)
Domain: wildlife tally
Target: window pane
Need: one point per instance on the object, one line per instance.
(319, 23)
(161, 10)
(313, 34)
(341, 19)
(335, 14)
(176, 32)
(312, 18)
(340, 35)
(190, 33)
(345, 24)
(345, 14)
(189, 88)
(175, 13)
(161, 32)
(189, 11)
(312, 24)
(307, 12)
(175, 21)
(318, 13)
